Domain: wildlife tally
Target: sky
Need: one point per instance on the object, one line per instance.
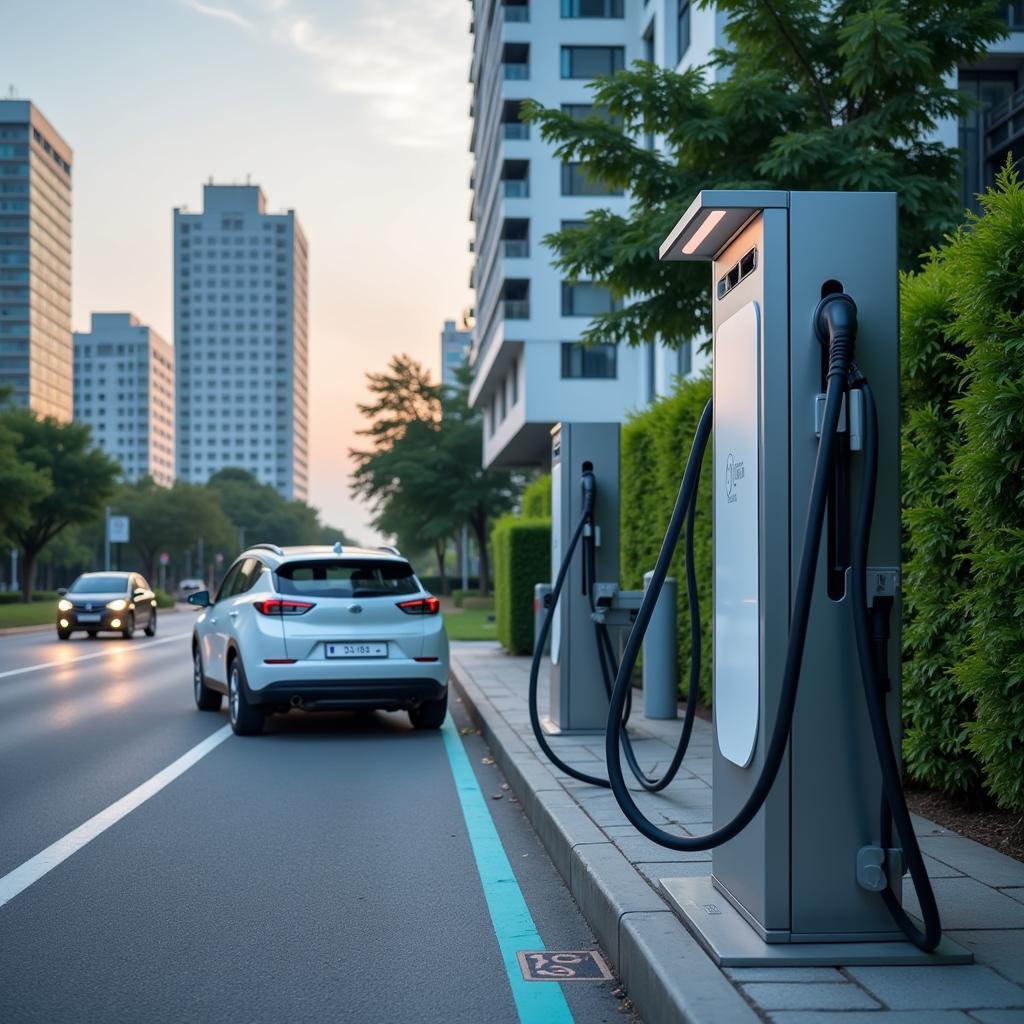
(354, 113)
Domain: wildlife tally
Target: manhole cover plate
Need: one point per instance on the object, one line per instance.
(563, 965)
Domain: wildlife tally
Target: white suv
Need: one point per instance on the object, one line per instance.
(320, 628)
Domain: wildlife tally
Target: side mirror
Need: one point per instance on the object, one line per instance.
(62, 591)
(200, 598)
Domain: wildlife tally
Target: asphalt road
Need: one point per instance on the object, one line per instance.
(320, 872)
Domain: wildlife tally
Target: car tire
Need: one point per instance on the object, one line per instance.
(151, 625)
(430, 714)
(129, 626)
(63, 634)
(206, 699)
(246, 720)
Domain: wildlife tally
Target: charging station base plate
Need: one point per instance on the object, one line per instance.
(730, 941)
(552, 728)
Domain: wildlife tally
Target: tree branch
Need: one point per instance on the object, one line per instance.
(826, 110)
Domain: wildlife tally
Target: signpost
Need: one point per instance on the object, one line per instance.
(118, 532)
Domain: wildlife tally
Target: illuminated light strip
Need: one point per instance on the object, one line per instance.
(711, 221)
(114, 652)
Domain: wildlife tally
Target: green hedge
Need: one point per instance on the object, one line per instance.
(988, 296)
(522, 558)
(537, 498)
(936, 712)
(655, 445)
(38, 596)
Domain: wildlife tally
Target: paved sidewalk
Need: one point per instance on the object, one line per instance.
(613, 874)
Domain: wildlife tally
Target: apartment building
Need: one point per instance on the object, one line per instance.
(530, 369)
(35, 261)
(455, 345)
(241, 339)
(124, 390)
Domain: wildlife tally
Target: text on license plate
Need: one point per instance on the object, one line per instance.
(357, 650)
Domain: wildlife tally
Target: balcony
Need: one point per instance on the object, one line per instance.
(516, 188)
(516, 248)
(515, 12)
(517, 309)
(515, 72)
(515, 130)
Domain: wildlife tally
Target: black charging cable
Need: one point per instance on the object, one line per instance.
(841, 326)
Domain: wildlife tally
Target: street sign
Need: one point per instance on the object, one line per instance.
(118, 530)
(164, 558)
(218, 558)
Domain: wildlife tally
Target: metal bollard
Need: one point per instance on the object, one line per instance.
(661, 679)
(541, 600)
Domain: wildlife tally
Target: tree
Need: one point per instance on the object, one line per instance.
(21, 484)
(81, 479)
(422, 475)
(807, 95)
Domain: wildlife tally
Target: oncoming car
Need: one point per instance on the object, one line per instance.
(320, 628)
(117, 602)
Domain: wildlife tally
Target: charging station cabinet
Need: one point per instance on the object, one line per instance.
(578, 699)
(786, 889)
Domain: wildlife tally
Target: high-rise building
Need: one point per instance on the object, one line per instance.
(35, 261)
(240, 329)
(454, 350)
(530, 369)
(124, 390)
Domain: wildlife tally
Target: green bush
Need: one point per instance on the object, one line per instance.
(989, 468)
(936, 711)
(522, 558)
(163, 599)
(458, 596)
(655, 446)
(537, 498)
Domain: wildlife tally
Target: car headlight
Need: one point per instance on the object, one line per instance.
(64, 605)
(117, 606)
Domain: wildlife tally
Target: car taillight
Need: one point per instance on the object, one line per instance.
(421, 606)
(275, 606)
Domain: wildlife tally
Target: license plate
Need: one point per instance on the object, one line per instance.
(88, 617)
(357, 650)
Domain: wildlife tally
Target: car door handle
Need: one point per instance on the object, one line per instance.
(212, 621)
(233, 615)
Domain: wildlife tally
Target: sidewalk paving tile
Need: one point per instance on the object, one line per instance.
(785, 995)
(967, 987)
(967, 903)
(874, 1017)
(981, 862)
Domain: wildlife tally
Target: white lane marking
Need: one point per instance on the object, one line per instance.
(32, 870)
(112, 652)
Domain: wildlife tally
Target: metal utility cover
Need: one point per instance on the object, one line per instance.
(563, 965)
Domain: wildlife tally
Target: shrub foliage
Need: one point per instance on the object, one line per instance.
(522, 558)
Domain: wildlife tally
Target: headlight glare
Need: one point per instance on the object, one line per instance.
(64, 605)
(117, 606)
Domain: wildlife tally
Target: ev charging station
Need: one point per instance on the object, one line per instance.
(800, 883)
(579, 702)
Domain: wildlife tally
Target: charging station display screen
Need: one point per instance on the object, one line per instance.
(737, 681)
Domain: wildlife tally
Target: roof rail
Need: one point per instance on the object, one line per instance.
(390, 549)
(268, 547)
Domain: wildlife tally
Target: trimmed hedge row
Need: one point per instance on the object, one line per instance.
(655, 444)
(522, 558)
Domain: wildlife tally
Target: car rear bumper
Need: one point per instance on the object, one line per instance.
(383, 694)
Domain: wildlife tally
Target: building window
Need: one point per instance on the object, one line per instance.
(588, 361)
(683, 28)
(592, 8)
(584, 298)
(577, 182)
(591, 61)
(985, 139)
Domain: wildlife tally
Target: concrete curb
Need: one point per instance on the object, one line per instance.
(667, 974)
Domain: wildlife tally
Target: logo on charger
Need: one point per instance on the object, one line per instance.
(733, 474)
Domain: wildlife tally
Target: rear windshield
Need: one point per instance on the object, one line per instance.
(99, 585)
(346, 577)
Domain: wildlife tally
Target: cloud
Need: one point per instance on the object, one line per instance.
(405, 60)
(224, 13)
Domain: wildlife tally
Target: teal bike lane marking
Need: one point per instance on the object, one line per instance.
(536, 1002)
